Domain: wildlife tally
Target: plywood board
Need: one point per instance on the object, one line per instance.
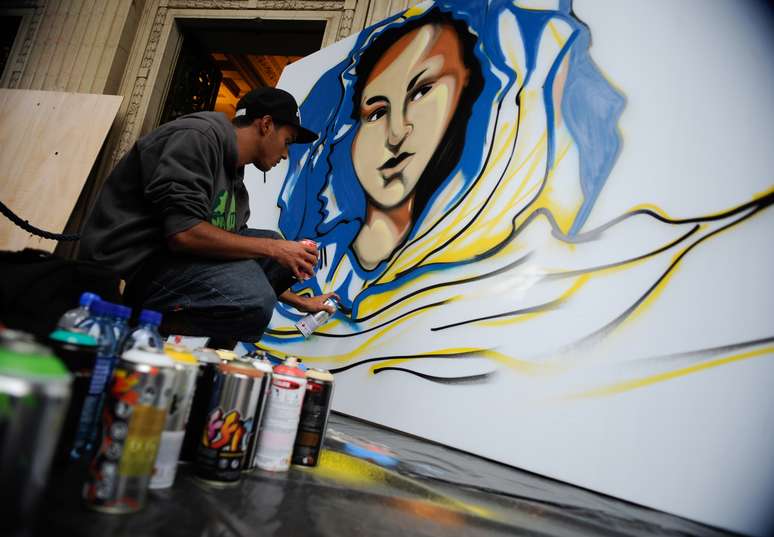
(583, 288)
(48, 144)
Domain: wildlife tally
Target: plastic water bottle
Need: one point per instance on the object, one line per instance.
(146, 336)
(100, 326)
(72, 319)
(121, 315)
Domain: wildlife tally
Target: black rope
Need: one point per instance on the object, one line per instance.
(26, 226)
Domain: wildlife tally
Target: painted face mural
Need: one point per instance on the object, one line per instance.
(405, 108)
(461, 154)
(409, 90)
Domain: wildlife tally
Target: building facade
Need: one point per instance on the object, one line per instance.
(130, 48)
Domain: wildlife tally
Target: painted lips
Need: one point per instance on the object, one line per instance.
(394, 166)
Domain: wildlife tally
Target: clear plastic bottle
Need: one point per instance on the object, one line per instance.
(100, 326)
(72, 319)
(121, 315)
(146, 336)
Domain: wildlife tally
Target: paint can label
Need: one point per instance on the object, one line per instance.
(280, 423)
(165, 468)
(314, 418)
(224, 439)
(132, 422)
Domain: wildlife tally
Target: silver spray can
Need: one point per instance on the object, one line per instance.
(263, 365)
(137, 401)
(308, 324)
(186, 366)
(34, 393)
(220, 456)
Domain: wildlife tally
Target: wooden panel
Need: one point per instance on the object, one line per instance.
(48, 144)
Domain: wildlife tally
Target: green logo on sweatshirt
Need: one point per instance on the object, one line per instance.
(222, 216)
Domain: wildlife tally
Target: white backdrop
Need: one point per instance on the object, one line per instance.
(627, 415)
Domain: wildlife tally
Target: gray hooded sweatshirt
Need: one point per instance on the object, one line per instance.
(182, 173)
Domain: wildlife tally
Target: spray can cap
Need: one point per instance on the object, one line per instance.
(179, 354)
(87, 299)
(290, 366)
(75, 338)
(148, 356)
(150, 317)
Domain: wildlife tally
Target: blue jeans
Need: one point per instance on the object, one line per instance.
(200, 297)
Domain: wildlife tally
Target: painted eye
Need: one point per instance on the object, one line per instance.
(376, 114)
(420, 92)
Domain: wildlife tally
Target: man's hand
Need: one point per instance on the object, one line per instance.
(299, 257)
(308, 304)
(208, 241)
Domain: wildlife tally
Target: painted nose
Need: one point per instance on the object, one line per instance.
(398, 131)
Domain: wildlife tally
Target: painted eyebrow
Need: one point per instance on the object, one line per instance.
(376, 98)
(414, 80)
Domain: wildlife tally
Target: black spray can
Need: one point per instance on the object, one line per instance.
(205, 381)
(314, 417)
(78, 352)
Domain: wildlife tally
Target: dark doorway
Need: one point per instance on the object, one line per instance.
(9, 27)
(220, 61)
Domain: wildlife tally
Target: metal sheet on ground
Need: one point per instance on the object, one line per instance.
(370, 481)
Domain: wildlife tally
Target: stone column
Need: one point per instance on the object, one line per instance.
(73, 45)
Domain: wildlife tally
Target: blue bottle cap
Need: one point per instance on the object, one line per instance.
(112, 308)
(150, 317)
(87, 299)
(123, 312)
(100, 307)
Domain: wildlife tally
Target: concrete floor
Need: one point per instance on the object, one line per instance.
(370, 481)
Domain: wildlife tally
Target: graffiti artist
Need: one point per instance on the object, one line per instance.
(172, 216)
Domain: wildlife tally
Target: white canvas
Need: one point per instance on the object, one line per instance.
(586, 293)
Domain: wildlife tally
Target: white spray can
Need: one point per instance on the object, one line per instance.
(280, 419)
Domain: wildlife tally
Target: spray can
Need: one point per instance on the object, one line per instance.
(207, 368)
(34, 392)
(221, 452)
(136, 405)
(316, 245)
(265, 367)
(9, 336)
(78, 352)
(308, 324)
(280, 420)
(226, 355)
(186, 366)
(314, 417)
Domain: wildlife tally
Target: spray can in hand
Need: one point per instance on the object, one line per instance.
(313, 321)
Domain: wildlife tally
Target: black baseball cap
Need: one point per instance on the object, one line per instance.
(277, 103)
